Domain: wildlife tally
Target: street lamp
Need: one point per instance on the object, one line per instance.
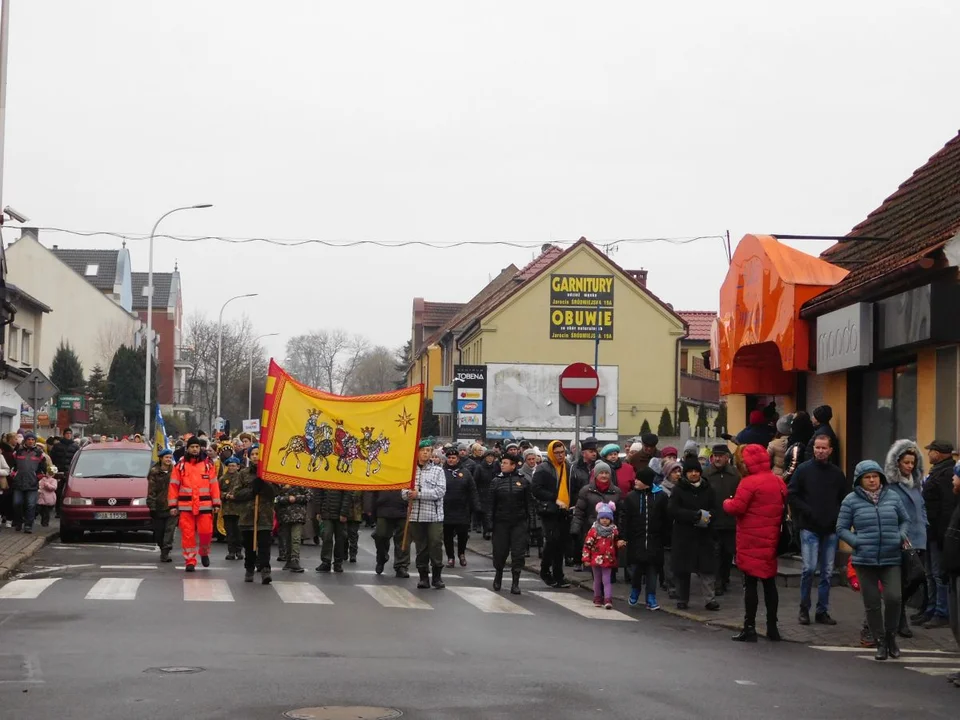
(253, 347)
(149, 337)
(220, 341)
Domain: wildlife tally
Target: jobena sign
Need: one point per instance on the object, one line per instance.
(469, 390)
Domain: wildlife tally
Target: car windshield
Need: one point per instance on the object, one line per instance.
(113, 463)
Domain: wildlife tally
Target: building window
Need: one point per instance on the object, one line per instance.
(13, 343)
(683, 362)
(889, 409)
(946, 394)
(91, 271)
(26, 356)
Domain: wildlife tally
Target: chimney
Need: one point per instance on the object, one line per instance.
(639, 275)
(418, 309)
(57, 247)
(545, 247)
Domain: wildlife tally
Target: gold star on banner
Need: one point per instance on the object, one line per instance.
(404, 420)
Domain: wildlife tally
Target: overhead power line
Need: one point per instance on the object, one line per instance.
(298, 242)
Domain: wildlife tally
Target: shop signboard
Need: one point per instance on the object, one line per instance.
(845, 338)
(70, 402)
(581, 307)
(470, 388)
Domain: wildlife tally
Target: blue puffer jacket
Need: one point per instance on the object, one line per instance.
(878, 531)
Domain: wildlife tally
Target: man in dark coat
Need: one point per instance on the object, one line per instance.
(822, 416)
(724, 479)
(62, 455)
(486, 471)
(940, 502)
(757, 432)
(691, 507)
(459, 502)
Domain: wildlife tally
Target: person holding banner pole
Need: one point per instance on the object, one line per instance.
(425, 516)
(254, 498)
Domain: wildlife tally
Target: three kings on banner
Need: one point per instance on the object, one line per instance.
(313, 438)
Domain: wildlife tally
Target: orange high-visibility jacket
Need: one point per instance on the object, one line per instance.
(193, 487)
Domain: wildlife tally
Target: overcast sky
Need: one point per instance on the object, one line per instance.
(451, 121)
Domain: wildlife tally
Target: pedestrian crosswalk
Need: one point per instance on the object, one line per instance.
(306, 592)
(938, 663)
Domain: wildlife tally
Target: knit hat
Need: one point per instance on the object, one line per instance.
(669, 450)
(531, 451)
(606, 510)
(194, 440)
(649, 439)
(646, 476)
(823, 414)
(636, 447)
(29, 436)
(690, 447)
(785, 424)
(756, 417)
(691, 463)
(601, 467)
(233, 460)
(607, 449)
(669, 466)
(451, 450)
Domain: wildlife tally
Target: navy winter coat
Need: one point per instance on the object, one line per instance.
(878, 530)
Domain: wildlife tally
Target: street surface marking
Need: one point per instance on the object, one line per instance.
(581, 606)
(374, 572)
(52, 568)
(744, 682)
(201, 568)
(301, 593)
(132, 548)
(914, 659)
(935, 671)
(488, 601)
(129, 567)
(395, 597)
(199, 590)
(844, 648)
(25, 589)
(115, 589)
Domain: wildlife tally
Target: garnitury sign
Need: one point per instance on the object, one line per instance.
(581, 307)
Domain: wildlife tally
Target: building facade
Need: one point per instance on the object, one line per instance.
(23, 339)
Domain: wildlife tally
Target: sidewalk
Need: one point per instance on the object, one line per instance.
(846, 608)
(15, 547)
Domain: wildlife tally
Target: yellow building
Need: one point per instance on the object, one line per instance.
(528, 324)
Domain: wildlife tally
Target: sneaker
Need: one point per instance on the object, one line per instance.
(804, 616)
(450, 561)
(323, 567)
(338, 568)
(712, 606)
(936, 622)
(652, 603)
(230, 556)
(380, 565)
(634, 597)
(562, 584)
(205, 560)
(866, 638)
(598, 602)
(608, 604)
(463, 558)
(824, 618)
(190, 568)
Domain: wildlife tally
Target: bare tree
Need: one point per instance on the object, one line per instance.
(325, 359)
(109, 338)
(376, 372)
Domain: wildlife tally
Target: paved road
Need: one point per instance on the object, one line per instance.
(82, 626)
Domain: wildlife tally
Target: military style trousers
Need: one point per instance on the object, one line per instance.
(387, 529)
(353, 539)
(334, 547)
(509, 538)
(428, 537)
(231, 523)
(163, 530)
(290, 534)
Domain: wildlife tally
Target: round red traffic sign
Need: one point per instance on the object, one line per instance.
(579, 383)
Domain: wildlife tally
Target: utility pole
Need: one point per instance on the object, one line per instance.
(6, 315)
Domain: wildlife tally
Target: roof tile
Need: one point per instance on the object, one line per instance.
(162, 283)
(699, 323)
(105, 262)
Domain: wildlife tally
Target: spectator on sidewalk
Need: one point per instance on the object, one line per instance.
(62, 454)
(801, 430)
(672, 471)
(757, 432)
(552, 491)
(940, 502)
(724, 479)
(600, 489)
(581, 472)
(757, 506)
(950, 564)
(640, 528)
(29, 464)
(874, 522)
(777, 449)
(691, 505)
(531, 459)
(815, 492)
(822, 416)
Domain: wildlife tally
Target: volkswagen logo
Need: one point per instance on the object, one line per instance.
(112, 501)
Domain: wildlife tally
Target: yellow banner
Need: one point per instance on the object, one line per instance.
(316, 439)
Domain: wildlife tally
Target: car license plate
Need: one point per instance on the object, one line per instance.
(110, 516)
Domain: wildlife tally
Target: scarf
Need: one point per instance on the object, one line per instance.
(563, 483)
(604, 531)
(874, 495)
(696, 484)
(907, 482)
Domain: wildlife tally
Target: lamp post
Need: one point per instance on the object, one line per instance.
(253, 347)
(149, 338)
(220, 341)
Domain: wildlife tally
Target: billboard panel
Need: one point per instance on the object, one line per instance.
(470, 386)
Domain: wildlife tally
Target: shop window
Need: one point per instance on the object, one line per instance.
(888, 409)
(946, 394)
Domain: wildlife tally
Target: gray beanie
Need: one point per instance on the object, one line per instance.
(530, 451)
(691, 447)
(785, 424)
(602, 467)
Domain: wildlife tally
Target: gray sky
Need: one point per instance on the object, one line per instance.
(443, 121)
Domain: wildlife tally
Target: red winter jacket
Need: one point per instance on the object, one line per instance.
(758, 507)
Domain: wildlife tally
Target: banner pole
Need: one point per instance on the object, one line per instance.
(256, 516)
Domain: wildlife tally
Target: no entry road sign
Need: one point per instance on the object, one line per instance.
(579, 383)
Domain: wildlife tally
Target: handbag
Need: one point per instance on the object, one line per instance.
(911, 567)
(788, 534)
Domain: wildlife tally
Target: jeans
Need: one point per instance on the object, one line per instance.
(751, 600)
(24, 507)
(937, 589)
(458, 533)
(817, 553)
(870, 576)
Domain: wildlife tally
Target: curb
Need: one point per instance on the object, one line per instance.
(686, 615)
(32, 549)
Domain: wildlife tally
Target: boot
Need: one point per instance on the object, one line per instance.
(165, 556)
(402, 573)
(892, 648)
(424, 580)
(248, 576)
(498, 580)
(205, 560)
(748, 634)
(265, 577)
(438, 584)
(515, 587)
(773, 633)
(294, 566)
(904, 629)
(881, 648)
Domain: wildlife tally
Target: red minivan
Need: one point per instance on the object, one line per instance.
(107, 489)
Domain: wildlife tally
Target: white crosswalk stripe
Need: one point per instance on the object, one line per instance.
(392, 596)
(581, 606)
(204, 590)
(301, 593)
(26, 589)
(938, 663)
(488, 601)
(115, 589)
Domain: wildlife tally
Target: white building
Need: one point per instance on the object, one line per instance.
(24, 338)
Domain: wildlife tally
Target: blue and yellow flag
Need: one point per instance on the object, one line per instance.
(316, 439)
(159, 435)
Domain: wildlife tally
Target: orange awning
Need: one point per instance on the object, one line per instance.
(761, 338)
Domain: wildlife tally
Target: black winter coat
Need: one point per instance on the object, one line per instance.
(640, 526)
(62, 454)
(580, 478)
(511, 500)
(939, 498)
(825, 429)
(724, 483)
(485, 475)
(461, 498)
(388, 504)
(546, 488)
(815, 492)
(332, 504)
(585, 511)
(692, 549)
